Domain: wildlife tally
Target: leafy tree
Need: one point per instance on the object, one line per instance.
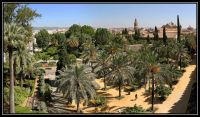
(102, 36)
(61, 61)
(42, 38)
(73, 30)
(13, 37)
(77, 84)
(88, 30)
(59, 38)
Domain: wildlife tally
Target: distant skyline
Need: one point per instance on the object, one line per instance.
(113, 15)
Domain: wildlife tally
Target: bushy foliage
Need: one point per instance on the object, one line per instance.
(163, 91)
(42, 38)
(41, 87)
(134, 110)
(98, 101)
(21, 94)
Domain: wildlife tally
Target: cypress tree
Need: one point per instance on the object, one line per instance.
(156, 37)
(178, 30)
(164, 36)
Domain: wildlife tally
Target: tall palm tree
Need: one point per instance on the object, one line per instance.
(13, 35)
(77, 83)
(121, 72)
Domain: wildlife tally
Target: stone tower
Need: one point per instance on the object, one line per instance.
(135, 24)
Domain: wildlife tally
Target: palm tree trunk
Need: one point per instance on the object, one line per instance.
(78, 101)
(149, 86)
(22, 71)
(104, 79)
(14, 69)
(145, 83)
(152, 93)
(119, 90)
(12, 103)
(180, 63)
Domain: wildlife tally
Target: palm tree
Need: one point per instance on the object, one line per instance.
(13, 35)
(73, 41)
(25, 59)
(103, 63)
(121, 72)
(89, 53)
(77, 84)
(155, 69)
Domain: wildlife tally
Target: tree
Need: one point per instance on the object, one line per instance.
(156, 37)
(103, 62)
(102, 36)
(13, 35)
(178, 30)
(61, 61)
(137, 34)
(89, 52)
(42, 38)
(121, 73)
(154, 70)
(73, 30)
(25, 58)
(59, 38)
(87, 30)
(77, 83)
(164, 37)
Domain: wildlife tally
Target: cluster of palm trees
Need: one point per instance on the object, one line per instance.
(15, 44)
(120, 66)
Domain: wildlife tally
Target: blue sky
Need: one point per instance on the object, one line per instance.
(114, 15)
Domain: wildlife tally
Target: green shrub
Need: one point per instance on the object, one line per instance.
(163, 91)
(6, 95)
(47, 93)
(19, 109)
(135, 109)
(98, 101)
(21, 94)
